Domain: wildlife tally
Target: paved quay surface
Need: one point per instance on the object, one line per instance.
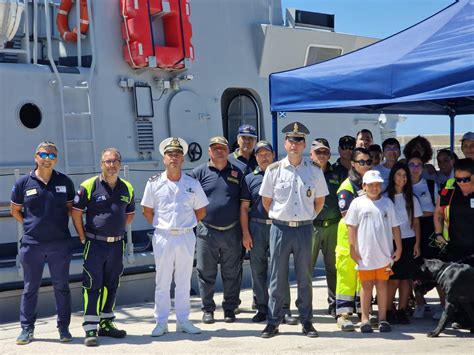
(243, 336)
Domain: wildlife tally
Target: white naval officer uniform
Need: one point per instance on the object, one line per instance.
(174, 241)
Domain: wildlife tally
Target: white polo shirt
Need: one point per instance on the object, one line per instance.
(174, 202)
(293, 190)
(422, 192)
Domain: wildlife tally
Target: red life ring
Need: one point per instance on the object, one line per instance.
(62, 20)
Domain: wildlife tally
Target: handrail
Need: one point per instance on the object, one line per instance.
(79, 34)
(91, 72)
(130, 249)
(35, 31)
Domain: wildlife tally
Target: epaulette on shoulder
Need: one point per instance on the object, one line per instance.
(274, 165)
(154, 177)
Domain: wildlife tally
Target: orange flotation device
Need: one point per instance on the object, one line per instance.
(62, 20)
(140, 49)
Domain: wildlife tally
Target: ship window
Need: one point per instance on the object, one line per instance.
(242, 109)
(318, 54)
(30, 115)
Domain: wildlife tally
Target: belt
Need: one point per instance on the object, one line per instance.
(292, 223)
(261, 220)
(104, 238)
(221, 228)
(177, 231)
(326, 222)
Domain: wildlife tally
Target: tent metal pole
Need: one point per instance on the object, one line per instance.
(275, 133)
(451, 130)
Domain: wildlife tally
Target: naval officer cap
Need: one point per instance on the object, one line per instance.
(173, 144)
(218, 140)
(295, 131)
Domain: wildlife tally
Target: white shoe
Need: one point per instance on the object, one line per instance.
(159, 330)
(438, 314)
(187, 327)
(419, 312)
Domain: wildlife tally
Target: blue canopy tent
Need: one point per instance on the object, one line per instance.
(426, 69)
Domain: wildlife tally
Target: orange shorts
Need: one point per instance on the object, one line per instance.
(381, 274)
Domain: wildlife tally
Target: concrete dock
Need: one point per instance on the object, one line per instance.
(243, 336)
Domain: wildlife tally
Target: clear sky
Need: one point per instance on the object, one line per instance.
(380, 19)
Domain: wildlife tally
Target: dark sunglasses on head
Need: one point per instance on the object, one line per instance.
(44, 155)
(463, 180)
(363, 162)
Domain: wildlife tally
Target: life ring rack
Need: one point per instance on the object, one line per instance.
(63, 17)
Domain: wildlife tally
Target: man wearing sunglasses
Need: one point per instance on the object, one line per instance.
(109, 204)
(454, 212)
(343, 163)
(41, 201)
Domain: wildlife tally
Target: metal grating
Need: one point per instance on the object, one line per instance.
(144, 134)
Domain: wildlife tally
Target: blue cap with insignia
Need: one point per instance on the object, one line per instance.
(295, 131)
(263, 144)
(247, 130)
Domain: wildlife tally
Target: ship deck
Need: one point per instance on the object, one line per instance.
(243, 336)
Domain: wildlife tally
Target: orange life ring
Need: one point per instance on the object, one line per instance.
(62, 20)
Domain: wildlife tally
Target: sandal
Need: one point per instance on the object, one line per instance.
(366, 328)
(384, 327)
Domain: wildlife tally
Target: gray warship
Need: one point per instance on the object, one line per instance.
(141, 71)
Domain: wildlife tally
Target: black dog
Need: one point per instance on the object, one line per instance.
(457, 282)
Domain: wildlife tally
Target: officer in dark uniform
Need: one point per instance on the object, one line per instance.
(256, 234)
(110, 205)
(41, 201)
(325, 224)
(219, 238)
(292, 191)
(243, 157)
(343, 163)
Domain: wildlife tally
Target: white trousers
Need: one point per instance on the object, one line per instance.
(174, 256)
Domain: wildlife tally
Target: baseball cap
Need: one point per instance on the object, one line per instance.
(469, 136)
(372, 176)
(320, 143)
(247, 131)
(347, 141)
(218, 140)
(263, 144)
(45, 144)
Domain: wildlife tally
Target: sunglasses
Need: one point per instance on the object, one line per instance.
(463, 180)
(391, 149)
(44, 155)
(415, 166)
(322, 152)
(363, 162)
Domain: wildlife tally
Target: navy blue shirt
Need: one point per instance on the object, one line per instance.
(240, 162)
(222, 188)
(106, 209)
(331, 207)
(340, 169)
(250, 188)
(45, 216)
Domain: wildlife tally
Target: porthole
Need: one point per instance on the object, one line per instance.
(30, 115)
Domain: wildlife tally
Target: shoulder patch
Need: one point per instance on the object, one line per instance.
(154, 177)
(274, 165)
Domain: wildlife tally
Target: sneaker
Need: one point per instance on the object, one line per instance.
(402, 317)
(365, 328)
(438, 314)
(344, 323)
(160, 329)
(25, 336)
(384, 327)
(187, 327)
(288, 319)
(373, 321)
(64, 335)
(91, 338)
(419, 312)
(107, 328)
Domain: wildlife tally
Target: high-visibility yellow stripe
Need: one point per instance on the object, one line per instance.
(104, 297)
(86, 300)
(86, 249)
(97, 308)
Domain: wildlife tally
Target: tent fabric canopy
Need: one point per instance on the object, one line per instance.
(425, 69)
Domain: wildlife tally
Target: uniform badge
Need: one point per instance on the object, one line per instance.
(125, 199)
(342, 204)
(472, 202)
(234, 173)
(76, 199)
(31, 192)
(100, 198)
(309, 192)
(61, 189)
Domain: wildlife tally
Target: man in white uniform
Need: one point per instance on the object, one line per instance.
(174, 203)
